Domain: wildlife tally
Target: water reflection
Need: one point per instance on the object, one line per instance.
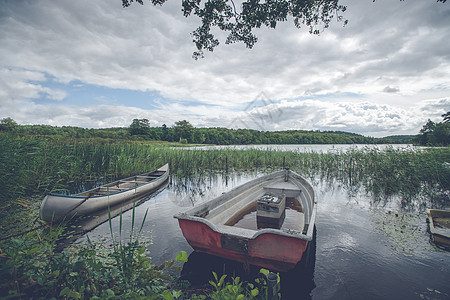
(308, 148)
(81, 225)
(299, 282)
(360, 251)
(190, 191)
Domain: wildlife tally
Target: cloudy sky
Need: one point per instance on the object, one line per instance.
(95, 64)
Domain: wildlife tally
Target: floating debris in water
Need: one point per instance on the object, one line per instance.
(406, 231)
(433, 294)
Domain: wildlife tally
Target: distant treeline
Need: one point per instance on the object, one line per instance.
(184, 132)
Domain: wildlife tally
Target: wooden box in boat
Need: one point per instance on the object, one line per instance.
(270, 210)
(439, 221)
(55, 206)
(209, 227)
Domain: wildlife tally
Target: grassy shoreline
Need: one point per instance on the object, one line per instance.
(30, 167)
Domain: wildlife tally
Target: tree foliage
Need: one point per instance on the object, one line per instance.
(446, 117)
(7, 124)
(183, 130)
(239, 21)
(139, 127)
(435, 134)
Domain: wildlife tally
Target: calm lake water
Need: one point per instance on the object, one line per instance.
(365, 248)
(307, 148)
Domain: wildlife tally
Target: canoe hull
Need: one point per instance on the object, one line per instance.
(207, 229)
(54, 206)
(439, 222)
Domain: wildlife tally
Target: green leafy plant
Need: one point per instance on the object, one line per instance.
(235, 289)
(31, 268)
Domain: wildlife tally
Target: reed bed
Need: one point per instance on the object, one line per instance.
(31, 166)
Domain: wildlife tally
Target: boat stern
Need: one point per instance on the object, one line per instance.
(264, 248)
(44, 210)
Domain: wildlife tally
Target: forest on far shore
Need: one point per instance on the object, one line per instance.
(182, 131)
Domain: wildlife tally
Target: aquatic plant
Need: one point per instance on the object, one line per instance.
(32, 269)
(420, 176)
(32, 166)
(405, 232)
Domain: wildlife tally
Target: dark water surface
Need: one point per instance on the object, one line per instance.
(364, 249)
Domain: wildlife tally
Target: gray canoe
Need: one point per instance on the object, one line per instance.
(55, 206)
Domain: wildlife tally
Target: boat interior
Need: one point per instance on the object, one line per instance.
(230, 210)
(441, 221)
(124, 184)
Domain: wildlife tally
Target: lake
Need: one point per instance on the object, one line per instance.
(307, 148)
(365, 248)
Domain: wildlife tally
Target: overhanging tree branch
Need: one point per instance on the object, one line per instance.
(224, 15)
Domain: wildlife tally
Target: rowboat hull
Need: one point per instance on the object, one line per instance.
(55, 206)
(439, 222)
(207, 228)
(270, 250)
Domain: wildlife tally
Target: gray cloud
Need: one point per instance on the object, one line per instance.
(365, 118)
(389, 89)
(393, 55)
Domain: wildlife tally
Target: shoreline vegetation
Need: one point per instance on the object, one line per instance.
(32, 164)
(184, 132)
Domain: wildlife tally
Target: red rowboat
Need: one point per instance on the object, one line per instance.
(266, 222)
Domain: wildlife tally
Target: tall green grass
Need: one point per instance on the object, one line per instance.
(384, 173)
(32, 166)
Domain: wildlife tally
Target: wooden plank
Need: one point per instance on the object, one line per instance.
(113, 188)
(133, 181)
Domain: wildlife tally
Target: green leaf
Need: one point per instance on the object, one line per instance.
(182, 256)
(40, 281)
(176, 294)
(264, 271)
(108, 293)
(143, 221)
(141, 250)
(65, 291)
(255, 292)
(167, 295)
(222, 279)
